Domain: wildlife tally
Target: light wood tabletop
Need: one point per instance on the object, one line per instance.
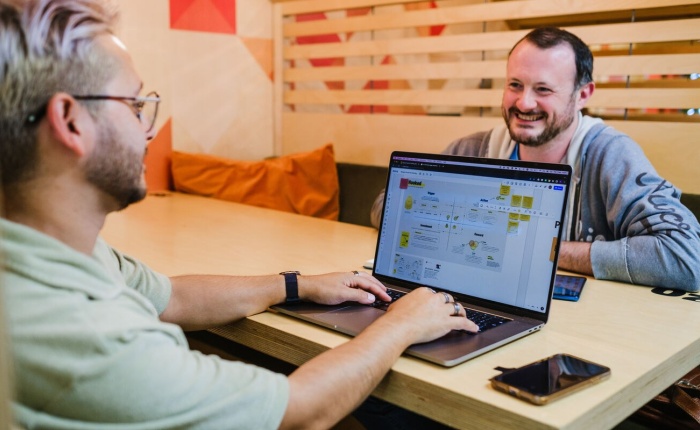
(648, 339)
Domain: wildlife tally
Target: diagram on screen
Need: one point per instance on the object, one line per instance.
(407, 267)
(447, 224)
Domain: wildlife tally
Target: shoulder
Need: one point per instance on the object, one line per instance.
(604, 141)
(475, 144)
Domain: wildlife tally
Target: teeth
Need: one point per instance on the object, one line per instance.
(528, 117)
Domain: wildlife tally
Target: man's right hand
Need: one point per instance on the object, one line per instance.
(424, 315)
(332, 384)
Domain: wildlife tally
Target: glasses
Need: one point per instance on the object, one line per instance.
(146, 108)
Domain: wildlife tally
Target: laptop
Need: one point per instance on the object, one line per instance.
(484, 230)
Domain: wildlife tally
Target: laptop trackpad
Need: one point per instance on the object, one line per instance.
(352, 319)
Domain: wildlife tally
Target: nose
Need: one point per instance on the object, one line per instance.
(150, 134)
(527, 101)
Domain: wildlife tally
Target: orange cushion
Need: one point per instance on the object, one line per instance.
(304, 183)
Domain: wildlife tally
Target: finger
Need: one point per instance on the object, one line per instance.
(448, 297)
(363, 278)
(460, 315)
(360, 296)
(457, 309)
(463, 323)
(370, 284)
(470, 325)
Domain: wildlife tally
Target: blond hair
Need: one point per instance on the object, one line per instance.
(46, 47)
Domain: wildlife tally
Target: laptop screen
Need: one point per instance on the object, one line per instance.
(483, 228)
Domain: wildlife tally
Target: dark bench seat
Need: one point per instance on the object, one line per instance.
(359, 186)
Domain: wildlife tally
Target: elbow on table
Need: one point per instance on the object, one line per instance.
(680, 266)
(685, 277)
(693, 283)
(683, 280)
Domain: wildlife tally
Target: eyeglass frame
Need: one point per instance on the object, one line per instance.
(136, 102)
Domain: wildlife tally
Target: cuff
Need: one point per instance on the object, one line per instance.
(609, 260)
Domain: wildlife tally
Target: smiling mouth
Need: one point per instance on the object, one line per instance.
(528, 116)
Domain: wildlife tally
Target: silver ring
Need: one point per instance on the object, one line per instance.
(447, 297)
(356, 273)
(456, 313)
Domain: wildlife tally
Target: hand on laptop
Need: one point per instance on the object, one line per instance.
(339, 287)
(427, 315)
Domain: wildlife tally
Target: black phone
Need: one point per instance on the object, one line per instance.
(568, 287)
(549, 379)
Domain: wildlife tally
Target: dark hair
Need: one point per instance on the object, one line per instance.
(549, 37)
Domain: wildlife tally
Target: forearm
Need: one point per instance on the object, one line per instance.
(576, 257)
(333, 384)
(655, 260)
(204, 301)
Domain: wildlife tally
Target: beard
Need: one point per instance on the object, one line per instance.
(552, 128)
(115, 168)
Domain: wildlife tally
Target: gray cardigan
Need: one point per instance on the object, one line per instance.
(641, 232)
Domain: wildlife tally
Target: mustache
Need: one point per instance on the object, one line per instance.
(515, 111)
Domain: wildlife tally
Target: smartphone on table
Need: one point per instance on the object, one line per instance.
(568, 287)
(549, 379)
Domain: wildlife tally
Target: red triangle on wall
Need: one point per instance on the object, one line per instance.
(214, 16)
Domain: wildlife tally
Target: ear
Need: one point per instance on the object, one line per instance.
(585, 93)
(68, 122)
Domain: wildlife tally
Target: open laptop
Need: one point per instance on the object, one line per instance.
(484, 230)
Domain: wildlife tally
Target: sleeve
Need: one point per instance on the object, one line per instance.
(156, 287)
(133, 370)
(651, 238)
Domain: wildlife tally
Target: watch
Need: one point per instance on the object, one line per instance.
(291, 285)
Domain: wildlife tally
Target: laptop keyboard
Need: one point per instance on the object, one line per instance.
(394, 294)
(484, 320)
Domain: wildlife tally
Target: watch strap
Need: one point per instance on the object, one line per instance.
(291, 285)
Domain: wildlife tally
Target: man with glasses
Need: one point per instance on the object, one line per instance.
(97, 336)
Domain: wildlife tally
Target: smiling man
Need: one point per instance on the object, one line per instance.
(624, 222)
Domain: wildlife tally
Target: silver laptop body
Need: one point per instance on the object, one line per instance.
(484, 230)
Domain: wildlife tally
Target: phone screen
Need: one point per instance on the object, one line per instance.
(567, 287)
(550, 378)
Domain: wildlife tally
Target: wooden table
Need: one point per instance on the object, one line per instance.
(647, 339)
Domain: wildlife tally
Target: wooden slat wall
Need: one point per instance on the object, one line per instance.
(372, 80)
